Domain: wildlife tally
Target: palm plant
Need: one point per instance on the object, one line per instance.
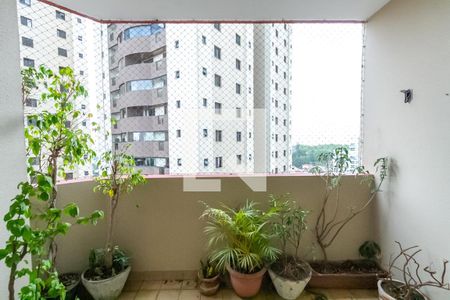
(241, 237)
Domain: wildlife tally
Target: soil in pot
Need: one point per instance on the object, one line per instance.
(348, 266)
(291, 268)
(349, 274)
(397, 290)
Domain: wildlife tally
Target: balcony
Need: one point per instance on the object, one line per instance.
(405, 49)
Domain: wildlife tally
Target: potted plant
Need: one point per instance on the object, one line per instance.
(408, 288)
(109, 267)
(329, 224)
(289, 273)
(34, 220)
(241, 238)
(208, 278)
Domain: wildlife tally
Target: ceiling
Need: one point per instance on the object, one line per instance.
(232, 10)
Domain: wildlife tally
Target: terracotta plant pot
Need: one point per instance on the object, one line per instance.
(383, 295)
(208, 286)
(288, 288)
(246, 285)
(106, 289)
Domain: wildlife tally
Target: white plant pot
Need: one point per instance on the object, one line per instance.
(382, 295)
(106, 289)
(286, 288)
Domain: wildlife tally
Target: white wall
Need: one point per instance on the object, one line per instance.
(408, 46)
(12, 148)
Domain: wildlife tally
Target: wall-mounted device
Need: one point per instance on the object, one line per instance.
(408, 95)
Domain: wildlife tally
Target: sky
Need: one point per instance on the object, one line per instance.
(326, 83)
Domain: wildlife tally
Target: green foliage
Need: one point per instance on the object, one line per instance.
(58, 147)
(333, 166)
(370, 250)
(241, 237)
(208, 268)
(97, 261)
(117, 175)
(289, 223)
(307, 155)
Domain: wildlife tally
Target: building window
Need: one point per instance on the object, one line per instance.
(238, 136)
(276, 120)
(249, 135)
(249, 44)
(28, 62)
(285, 59)
(25, 2)
(276, 136)
(62, 52)
(276, 86)
(83, 106)
(276, 103)
(68, 176)
(276, 51)
(217, 52)
(177, 44)
(239, 159)
(284, 75)
(284, 106)
(26, 21)
(80, 38)
(276, 154)
(178, 133)
(219, 162)
(238, 88)
(205, 132)
(79, 20)
(238, 39)
(238, 64)
(276, 69)
(205, 102)
(177, 74)
(238, 112)
(217, 26)
(81, 72)
(60, 15)
(30, 102)
(204, 71)
(205, 162)
(61, 33)
(179, 161)
(84, 123)
(178, 103)
(218, 108)
(27, 42)
(203, 40)
(80, 55)
(276, 33)
(86, 173)
(284, 122)
(217, 80)
(218, 135)
(285, 43)
(141, 31)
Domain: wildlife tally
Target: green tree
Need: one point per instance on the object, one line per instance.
(307, 154)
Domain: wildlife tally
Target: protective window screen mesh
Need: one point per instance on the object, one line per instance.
(204, 98)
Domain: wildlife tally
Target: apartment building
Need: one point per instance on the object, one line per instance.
(187, 96)
(56, 39)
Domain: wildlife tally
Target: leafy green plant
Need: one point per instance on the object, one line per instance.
(241, 237)
(370, 250)
(97, 261)
(118, 175)
(289, 224)
(208, 268)
(57, 146)
(337, 163)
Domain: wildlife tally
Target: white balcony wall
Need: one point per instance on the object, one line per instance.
(12, 148)
(408, 47)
